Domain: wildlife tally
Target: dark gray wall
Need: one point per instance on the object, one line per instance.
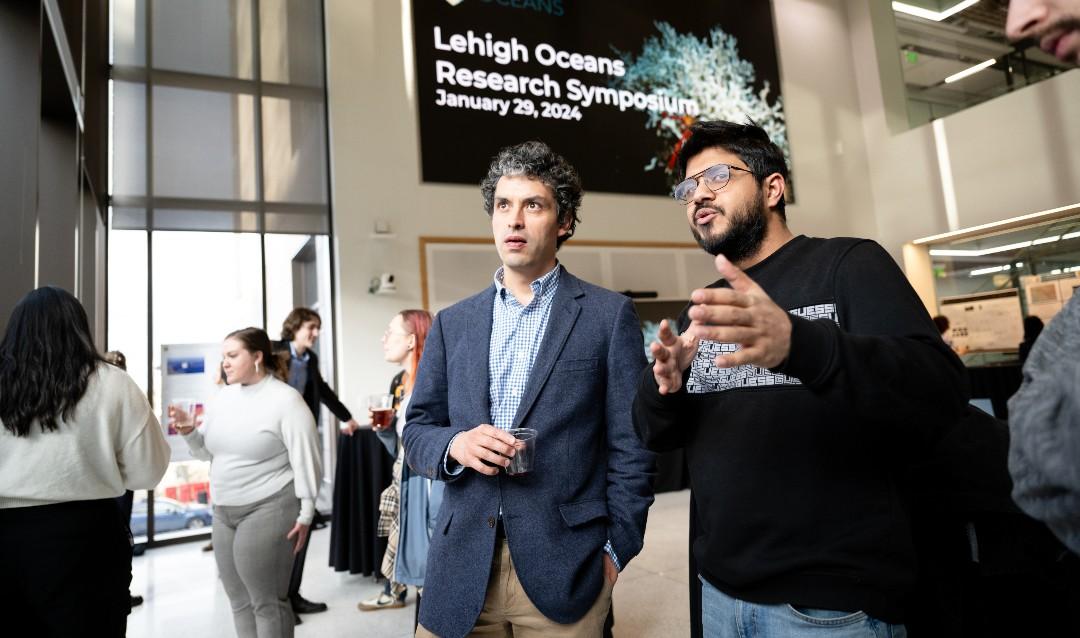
(20, 90)
(51, 167)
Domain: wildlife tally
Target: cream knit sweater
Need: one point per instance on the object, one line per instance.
(112, 442)
(257, 438)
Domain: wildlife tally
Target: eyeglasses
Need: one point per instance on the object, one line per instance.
(715, 177)
(393, 333)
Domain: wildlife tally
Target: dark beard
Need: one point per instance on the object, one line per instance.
(744, 235)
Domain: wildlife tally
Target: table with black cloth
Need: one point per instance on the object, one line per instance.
(997, 383)
(363, 472)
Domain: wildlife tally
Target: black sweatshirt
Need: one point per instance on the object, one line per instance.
(794, 470)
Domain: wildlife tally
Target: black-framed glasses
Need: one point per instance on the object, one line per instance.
(715, 177)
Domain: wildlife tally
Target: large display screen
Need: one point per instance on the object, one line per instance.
(612, 85)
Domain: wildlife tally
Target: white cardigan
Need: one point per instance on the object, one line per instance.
(112, 442)
(258, 438)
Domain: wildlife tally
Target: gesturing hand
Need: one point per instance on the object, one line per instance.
(743, 314)
(673, 354)
(484, 448)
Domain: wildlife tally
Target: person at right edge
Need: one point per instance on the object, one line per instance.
(1044, 414)
(801, 383)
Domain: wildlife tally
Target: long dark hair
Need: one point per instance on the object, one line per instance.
(46, 359)
(256, 340)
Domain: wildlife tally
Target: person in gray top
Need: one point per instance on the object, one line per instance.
(1044, 427)
(1044, 415)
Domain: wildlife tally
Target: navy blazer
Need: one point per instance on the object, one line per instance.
(592, 476)
(316, 390)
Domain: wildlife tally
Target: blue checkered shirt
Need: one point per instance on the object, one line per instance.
(516, 334)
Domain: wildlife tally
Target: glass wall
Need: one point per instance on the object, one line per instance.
(954, 55)
(989, 285)
(219, 193)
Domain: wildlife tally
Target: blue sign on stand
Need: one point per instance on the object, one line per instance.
(185, 365)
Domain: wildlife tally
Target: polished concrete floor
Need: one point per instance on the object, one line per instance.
(184, 597)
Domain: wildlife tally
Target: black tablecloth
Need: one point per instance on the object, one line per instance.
(363, 472)
(997, 383)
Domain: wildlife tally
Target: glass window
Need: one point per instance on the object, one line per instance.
(294, 150)
(988, 285)
(128, 46)
(291, 41)
(211, 37)
(204, 144)
(954, 59)
(128, 138)
(225, 169)
(205, 286)
(128, 317)
(298, 274)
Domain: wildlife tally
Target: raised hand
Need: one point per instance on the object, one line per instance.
(743, 314)
(672, 354)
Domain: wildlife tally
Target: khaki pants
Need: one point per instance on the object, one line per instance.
(508, 611)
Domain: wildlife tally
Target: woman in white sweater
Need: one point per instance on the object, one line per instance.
(260, 439)
(75, 432)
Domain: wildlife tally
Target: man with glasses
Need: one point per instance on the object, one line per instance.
(798, 384)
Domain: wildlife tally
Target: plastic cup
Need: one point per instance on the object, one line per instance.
(181, 413)
(382, 409)
(524, 458)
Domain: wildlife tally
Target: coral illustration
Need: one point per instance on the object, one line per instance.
(708, 71)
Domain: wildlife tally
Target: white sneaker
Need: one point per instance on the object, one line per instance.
(382, 601)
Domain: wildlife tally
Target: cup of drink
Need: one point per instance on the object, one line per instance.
(181, 414)
(382, 410)
(524, 457)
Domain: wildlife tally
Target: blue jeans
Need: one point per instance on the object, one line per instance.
(725, 617)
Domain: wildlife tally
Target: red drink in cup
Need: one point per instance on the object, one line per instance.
(382, 418)
(382, 410)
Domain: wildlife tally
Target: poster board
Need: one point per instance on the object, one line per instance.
(189, 371)
(612, 85)
(986, 322)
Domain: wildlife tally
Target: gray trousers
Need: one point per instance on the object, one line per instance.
(255, 559)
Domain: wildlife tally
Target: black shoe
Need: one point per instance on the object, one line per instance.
(136, 600)
(296, 619)
(302, 605)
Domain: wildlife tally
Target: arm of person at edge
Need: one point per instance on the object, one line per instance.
(302, 445)
(887, 363)
(330, 399)
(1044, 426)
(428, 432)
(630, 466)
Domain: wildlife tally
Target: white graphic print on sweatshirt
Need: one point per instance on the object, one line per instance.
(705, 377)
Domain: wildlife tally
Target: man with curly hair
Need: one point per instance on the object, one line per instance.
(536, 553)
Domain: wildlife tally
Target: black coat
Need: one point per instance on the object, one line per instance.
(316, 390)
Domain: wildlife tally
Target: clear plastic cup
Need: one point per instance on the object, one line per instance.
(524, 458)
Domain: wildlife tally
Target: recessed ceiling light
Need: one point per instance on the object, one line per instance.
(970, 71)
(936, 16)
